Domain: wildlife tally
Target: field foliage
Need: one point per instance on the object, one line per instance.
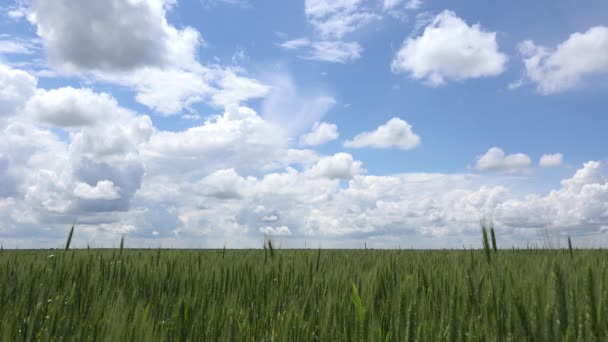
(308, 295)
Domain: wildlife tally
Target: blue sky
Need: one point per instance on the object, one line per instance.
(194, 123)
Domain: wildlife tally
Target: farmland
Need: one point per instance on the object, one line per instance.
(289, 295)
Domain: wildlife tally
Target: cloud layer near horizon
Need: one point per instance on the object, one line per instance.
(224, 179)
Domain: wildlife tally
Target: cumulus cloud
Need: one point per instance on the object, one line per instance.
(238, 138)
(580, 56)
(95, 169)
(126, 34)
(223, 184)
(495, 159)
(321, 133)
(551, 160)
(450, 49)
(338, 166)
(77, 153)
(69, 107)
(17, 87)
(395, 133)
(277, 231)
(132, 44)
(104, 189)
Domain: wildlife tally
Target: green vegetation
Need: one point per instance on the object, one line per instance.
(308, 295)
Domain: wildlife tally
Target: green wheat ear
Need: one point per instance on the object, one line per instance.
(493, 235)
(359, 310)
(486, 244)
(122, 243)
(69, 241)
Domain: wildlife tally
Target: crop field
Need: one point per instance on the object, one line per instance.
(304, 295)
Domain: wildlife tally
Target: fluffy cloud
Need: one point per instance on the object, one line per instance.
(96, 169)
(276, 231)
(321, 133)
(564, 67)
(338, 166)
(125, 35)
(495, 159)
(132, 44)
(69, 107)
(72, 153)
(551, 160)
(238, 138)
(579, 205)
(334, 19)
(449, 49)
(395, 133)
(17, 87)
(222, 184)
(102, 190)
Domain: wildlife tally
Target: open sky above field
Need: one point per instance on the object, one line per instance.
(326, 123)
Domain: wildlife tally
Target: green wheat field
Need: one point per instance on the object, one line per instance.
(304, 295)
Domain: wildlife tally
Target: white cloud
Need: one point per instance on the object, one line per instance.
(449, 49)
(223, 184)
(167, 91)
(236, 89)
(95, 169)
(17, 87)
(126, 34)
(239, 139)
(69, 107)
(332, 21)
(270, 218)
(564, 67)
(231, 175)
(338, 166)
(399, 9)
(277, 231)
(580, 204)
(551, 160)
(321, 133)
(334, 51)
(104, 189)
(293, 107)
(394, 133)
(170, 90)
(495, 159)
(409, 4)
(132, 44)
(338, 25)
(295, 43)
(15, 46)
